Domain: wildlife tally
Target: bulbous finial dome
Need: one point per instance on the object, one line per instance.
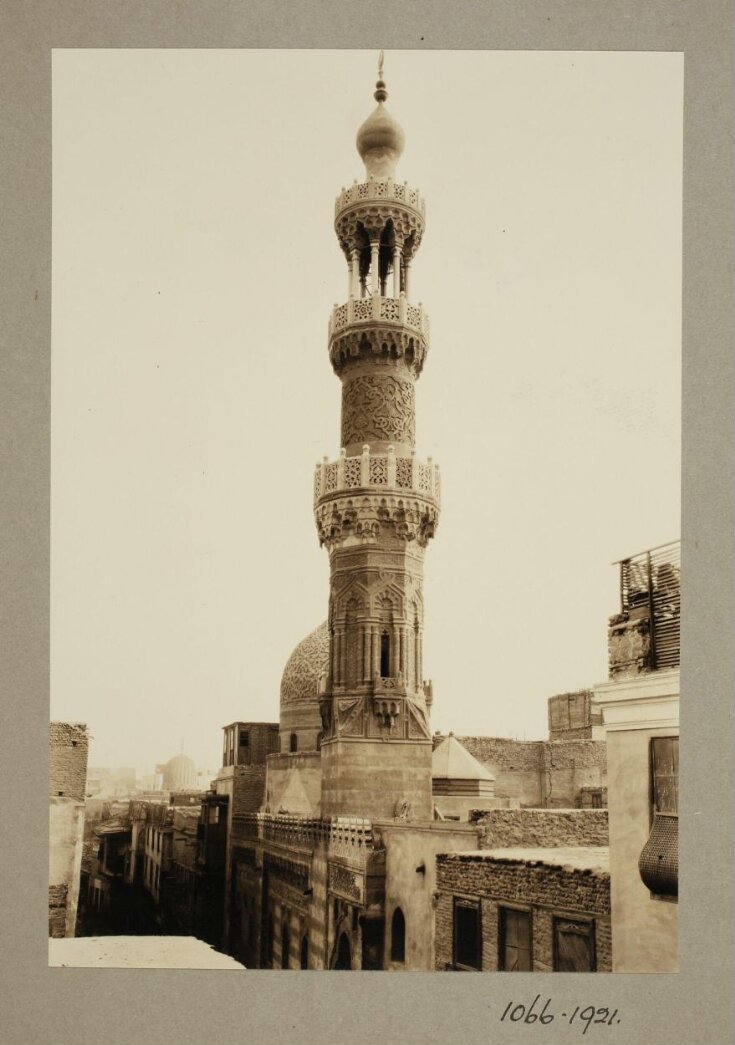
(380, 140)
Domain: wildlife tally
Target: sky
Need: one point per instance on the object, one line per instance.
(194, 270)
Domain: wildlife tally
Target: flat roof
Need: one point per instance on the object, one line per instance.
(137, 952)
(595, 859)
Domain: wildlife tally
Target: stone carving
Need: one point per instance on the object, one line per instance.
(409, 519)
(345, 882)
(378, 407)
(351, 723)
(418, 726)
(403, 810)
(379, 342)
(360, 220)
(304, 668)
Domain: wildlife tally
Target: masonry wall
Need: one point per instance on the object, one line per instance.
(541, 773)
(545, 891)
(409, 847)
(248, 790)
(68, 754)
(540, 828)
(294, 784)
(370, 779)
(645, 928)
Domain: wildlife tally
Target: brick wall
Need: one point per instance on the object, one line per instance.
(545, 891)
(543, 828)
(68, 753)
(248, 789)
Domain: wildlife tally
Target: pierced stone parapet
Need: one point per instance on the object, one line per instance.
(379, 189)
(303, 832)
(381, 310)
(387, 472)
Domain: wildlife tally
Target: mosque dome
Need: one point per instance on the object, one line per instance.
(179, 774)
(304, 668)
(380, 139)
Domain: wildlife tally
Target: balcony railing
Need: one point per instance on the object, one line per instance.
(380, 309)
(644, 636)
(383, 471)
(301, 831)
(381, 190)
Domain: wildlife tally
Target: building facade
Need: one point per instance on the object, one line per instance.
(68, 754)
(640, 707)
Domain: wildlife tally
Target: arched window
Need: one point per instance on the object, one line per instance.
(398, 937)
(385, 655)
(305, 953)
(285, 942)
(293, 743)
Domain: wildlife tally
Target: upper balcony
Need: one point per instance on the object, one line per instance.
(644, 635)
(393, 311)
(382, 191)
(384, 473)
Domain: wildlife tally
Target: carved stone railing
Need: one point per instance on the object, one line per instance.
(377, 473)
(302, 832)
(382, 310)
(380, 190)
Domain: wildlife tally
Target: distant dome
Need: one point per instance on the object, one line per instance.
(179, 774)
(380, 140)
(304, 668)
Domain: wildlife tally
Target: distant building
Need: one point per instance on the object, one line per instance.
(180, 774)
(68, 753)
(572, 716)
(640, 708)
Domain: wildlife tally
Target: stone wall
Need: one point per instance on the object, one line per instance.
(543, 890)
(68, 753)
(542, 828)
(408, 847)
(540, 773)
(248, 791)
(294, 783)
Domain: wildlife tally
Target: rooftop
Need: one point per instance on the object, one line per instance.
(452, 761)
(137, 952)
(594, 859)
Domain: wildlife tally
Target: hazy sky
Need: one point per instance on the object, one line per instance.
(195, 267)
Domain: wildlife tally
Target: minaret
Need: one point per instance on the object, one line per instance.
(377, 505)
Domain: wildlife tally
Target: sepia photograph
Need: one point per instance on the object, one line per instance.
(366, 510)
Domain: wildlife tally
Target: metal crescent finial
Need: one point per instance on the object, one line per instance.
(380, 93)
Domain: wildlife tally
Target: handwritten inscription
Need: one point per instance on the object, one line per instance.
(541, 1013)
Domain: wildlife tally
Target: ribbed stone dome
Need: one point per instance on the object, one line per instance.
(179, 774)
(304, 668)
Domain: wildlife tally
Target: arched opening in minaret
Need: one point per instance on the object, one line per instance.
(305, 953)
(385, 255)
(385, 655)
(293, 743)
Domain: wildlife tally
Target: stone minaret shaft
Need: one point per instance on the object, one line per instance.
(377, 505)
